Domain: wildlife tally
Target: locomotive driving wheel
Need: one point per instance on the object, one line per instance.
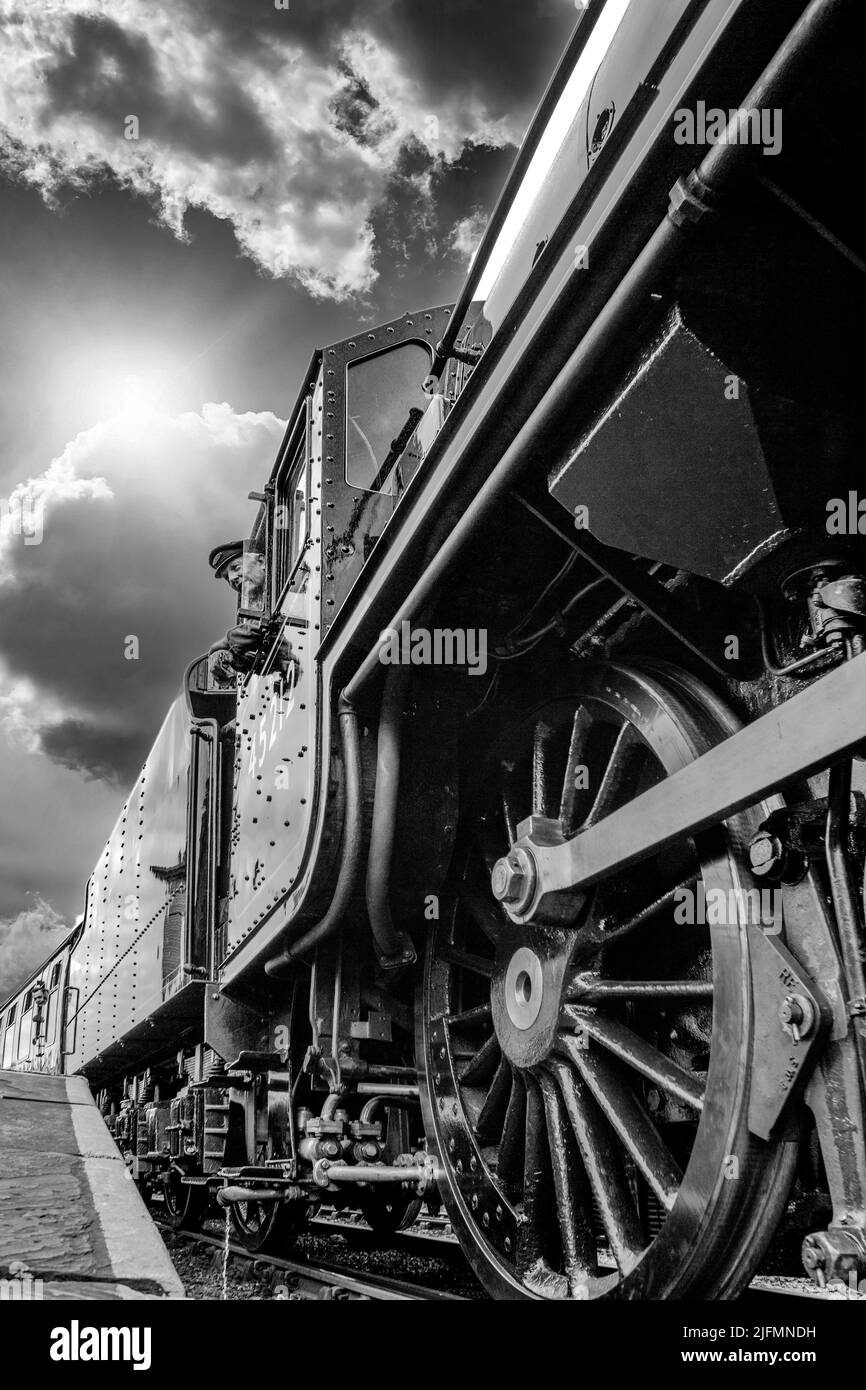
(186, 1204)
(268, 1226)
(587, 1086)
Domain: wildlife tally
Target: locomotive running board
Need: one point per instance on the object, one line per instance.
(822, 724)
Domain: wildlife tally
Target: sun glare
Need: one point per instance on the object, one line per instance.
(132, 398)
(137, 400)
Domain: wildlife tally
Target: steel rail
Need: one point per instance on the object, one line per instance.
(370, 1286)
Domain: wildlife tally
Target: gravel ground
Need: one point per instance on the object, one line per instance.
(200, 1267)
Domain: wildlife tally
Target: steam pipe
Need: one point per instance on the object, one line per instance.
(393, 947)
(371, 1107)
(627, 301)
(350, 854)
(382, 1090)
(227, 1196)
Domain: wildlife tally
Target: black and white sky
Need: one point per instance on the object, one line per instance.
(193, 195)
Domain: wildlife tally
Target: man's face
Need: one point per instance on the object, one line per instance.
(234, 572)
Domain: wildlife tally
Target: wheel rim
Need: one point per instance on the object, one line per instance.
(268, 1225)
(610, 1156)
(253, 1220)
(174, 1196)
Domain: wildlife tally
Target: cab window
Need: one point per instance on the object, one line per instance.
(291, 516)
(384, 403)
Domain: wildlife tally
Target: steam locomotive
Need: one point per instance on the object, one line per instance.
(516, 864)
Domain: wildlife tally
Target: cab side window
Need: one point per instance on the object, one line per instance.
(292, 518)
(384, 403)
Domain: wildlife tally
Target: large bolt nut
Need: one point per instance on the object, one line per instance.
(835, 1254)
(797, 1016)
(765, 853)
(508, 880)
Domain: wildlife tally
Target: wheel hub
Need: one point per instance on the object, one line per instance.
(524, 988)
(526, 994)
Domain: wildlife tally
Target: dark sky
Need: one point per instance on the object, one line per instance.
(295, 171)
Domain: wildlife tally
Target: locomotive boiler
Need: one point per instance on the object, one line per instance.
(512, 855)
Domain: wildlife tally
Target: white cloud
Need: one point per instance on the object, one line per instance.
(465, 236)
(25, 941)
(250, 134)
(128, 517)
(23, 512)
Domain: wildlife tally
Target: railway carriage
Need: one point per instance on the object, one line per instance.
(522, 868)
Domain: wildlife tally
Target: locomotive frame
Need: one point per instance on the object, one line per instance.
(419, 933)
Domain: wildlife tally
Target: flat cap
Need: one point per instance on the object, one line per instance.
(221, 555)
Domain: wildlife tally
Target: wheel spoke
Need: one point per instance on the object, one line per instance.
(483, 912)
(574, 1210)
(620, 776)
(641, 1055)
(465, 960)
(604, 1167)
(511, 1146)
(587, 990)
(579, 733)
(479, 1014)
(534, 1237)
(629, 1120)
(543, 746)
(491, 1118)
(597, 933)
(508, 812)
(482, 1067)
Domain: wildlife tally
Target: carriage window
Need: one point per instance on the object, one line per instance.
(384, 403)
(9, 1040)
(25, 1027)
(55, 975)
(51, 1018)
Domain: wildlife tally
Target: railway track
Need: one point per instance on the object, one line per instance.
(318, 1280)
(430, 1234)
(312, 1280)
